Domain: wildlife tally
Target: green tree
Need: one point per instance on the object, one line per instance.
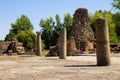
(10, 35)
(22, 24)
(97, 14)
(26, 37)
(109, 16)
(68, 23)
(57, 29)
(47, 31)
(22, 30)
(112, 27)
(116, 19)
(51, 29)
(116, 16)
(116, 4)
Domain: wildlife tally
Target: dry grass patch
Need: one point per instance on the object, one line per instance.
(10, 58)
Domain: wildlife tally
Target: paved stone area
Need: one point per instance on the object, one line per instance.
(52, 68)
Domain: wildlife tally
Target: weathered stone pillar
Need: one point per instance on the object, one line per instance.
(63, 44)
(71, 46)
(39, 48)
(102, 43)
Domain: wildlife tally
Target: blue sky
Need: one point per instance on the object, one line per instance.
(10, 10)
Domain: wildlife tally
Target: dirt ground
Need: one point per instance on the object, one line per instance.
(52, 68)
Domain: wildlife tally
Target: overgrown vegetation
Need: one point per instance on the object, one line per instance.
(51, 29)
(22, 29)
(112, 26)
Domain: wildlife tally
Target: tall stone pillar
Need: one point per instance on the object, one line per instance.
(102, 43)
(63, 44)
(71, 46)
(39, 48)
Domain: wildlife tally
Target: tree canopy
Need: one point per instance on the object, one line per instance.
(51, 29)
(116, 4)
(22, 30)
(109, 16)
(116, 16)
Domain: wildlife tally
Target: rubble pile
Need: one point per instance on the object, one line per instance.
(115, 48)
(12, 47)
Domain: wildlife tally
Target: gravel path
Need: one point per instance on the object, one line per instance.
(52, 68)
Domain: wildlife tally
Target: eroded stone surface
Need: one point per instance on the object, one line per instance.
(81, 30)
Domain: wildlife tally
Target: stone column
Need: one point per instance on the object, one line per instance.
(71, 46)
(102, 43)
(63, 44)
(39, 48)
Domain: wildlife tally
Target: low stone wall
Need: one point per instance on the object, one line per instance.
(10, 47)
(115, 47)
(3, 46)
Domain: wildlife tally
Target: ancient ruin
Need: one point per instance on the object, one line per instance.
(11, 47)
(63, 44)
(82, 37)
(3, 47)
(54, 51)
(102, 43)
(114, 47)
(81, 30)
(39, 48)
(71, 46)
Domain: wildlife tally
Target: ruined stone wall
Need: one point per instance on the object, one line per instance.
(115, 47)
(19, 48)
(71, 46)
(11, 47)
(3, 46)
(81, 30)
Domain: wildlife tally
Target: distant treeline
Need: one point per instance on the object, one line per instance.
(22, 29)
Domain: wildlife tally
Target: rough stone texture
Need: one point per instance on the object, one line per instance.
(71, 46)
(19, 48)
(102, 43)
(114, 47)
(4, 46)
(82, 35)
(63, 44)
(12, 47)
(86, 46)
(54, 51)
(81, 30)
(39, 48)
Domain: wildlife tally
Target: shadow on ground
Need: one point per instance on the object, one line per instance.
(80, 66)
